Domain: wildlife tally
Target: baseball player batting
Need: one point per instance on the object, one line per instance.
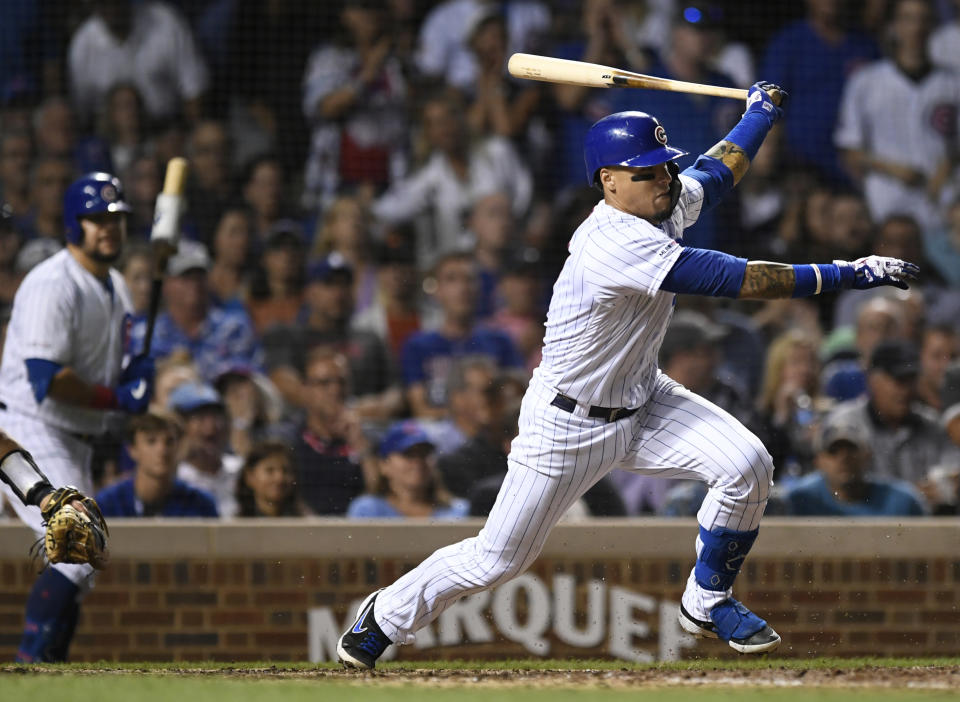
(598, 400)
(63, 384)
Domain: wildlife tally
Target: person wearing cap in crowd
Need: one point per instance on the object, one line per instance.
(206, 464)
(943, 481)
(842, 485)
(324, 320)
(410, 484)
(906, 438)
(276, 289)
(253, 405)
(216, 337)
(153, 439)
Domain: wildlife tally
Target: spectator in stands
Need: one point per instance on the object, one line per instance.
(492, 228)
(172, 371)
(267, 486)
(906, 438)
(217, 338)
(471, 405)
(49, 178)
(520, 293)
(816, 56)
(210, 183)
(325, 321)
(263, 185)
(122, 127)
(456, 168)
(843, 486)
(147, 44)
(332, 461)
(690, 355)
(54, 135)
(252, 405)
(344, 229)
(394, 313)
(790, 401)
(442, 49)
(939, 347)
(206, 465)
(154, 490)
(409, 485)
(905, 159)
(941, 246)
(276, 287)
(16, 151)
(10, 277)
(137, 269)
(427, 355)
(354, 98)
(945, 42)
(143, 181)
(500, 105)
(232, 255)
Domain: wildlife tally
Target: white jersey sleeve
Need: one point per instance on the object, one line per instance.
(47, 312)
(622, 253)
(851, 132)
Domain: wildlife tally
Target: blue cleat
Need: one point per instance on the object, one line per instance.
(735, 624)
(364, 642)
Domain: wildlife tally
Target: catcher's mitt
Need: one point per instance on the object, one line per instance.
(74, 535)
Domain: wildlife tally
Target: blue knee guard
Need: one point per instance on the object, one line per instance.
(50, 619)
(722, 556)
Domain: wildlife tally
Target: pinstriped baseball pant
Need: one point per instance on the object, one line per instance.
(557, 457)
(65, 460)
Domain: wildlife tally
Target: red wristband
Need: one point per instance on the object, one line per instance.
(103, 398)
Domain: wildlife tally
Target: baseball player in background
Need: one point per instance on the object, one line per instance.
(63, 384)
(598, 401)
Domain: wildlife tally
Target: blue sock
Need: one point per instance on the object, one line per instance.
(50, 616)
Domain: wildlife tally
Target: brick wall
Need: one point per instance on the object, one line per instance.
(238, 592)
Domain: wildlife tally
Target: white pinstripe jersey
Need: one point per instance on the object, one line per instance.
(63, 313)
(607, 316)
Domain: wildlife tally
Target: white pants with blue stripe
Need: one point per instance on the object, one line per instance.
(65, 460)
(556, 458)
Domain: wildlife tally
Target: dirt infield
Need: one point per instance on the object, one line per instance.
(933, 677)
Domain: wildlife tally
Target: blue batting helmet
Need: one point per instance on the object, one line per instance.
(626, 139)
(91, 194)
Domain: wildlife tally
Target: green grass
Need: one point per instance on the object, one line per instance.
(296, 682)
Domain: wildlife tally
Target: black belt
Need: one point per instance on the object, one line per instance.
(609, 414)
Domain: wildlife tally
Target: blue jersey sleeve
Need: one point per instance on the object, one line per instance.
(705, 272)
(40, 373)
(715, 178)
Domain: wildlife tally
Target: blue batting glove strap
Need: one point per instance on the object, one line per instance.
(874, 271)
(759, 101)
(133, 397)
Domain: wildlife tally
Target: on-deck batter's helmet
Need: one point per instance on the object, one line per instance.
(91, 194)
(626, 139)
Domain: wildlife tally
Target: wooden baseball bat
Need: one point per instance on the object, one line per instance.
(593, 75)
(165, 236)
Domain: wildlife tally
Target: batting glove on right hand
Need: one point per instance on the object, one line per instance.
(874, 271)
(759, 99)
(136, 385)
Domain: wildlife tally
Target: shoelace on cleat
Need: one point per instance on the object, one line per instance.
(372, 644)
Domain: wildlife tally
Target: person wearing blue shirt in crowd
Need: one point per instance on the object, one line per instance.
(813, 58)
(840, 487)
(427, 355)
(410, 484)
(154, 491)
(217, 338)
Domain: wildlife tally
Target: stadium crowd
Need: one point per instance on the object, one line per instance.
(377, 211)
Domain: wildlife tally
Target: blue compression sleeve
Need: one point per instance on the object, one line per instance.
(750, 132)
(715, 178)
(816, 278)
(40, 373)
(705, 272)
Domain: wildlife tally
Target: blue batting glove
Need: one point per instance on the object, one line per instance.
(874, 271)
(759, 99)
(136, 385)
(139, 367)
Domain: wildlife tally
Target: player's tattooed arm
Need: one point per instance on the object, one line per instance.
(731, 156)
(763, 280)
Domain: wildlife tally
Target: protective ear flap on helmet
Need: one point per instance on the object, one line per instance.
(91, 194)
